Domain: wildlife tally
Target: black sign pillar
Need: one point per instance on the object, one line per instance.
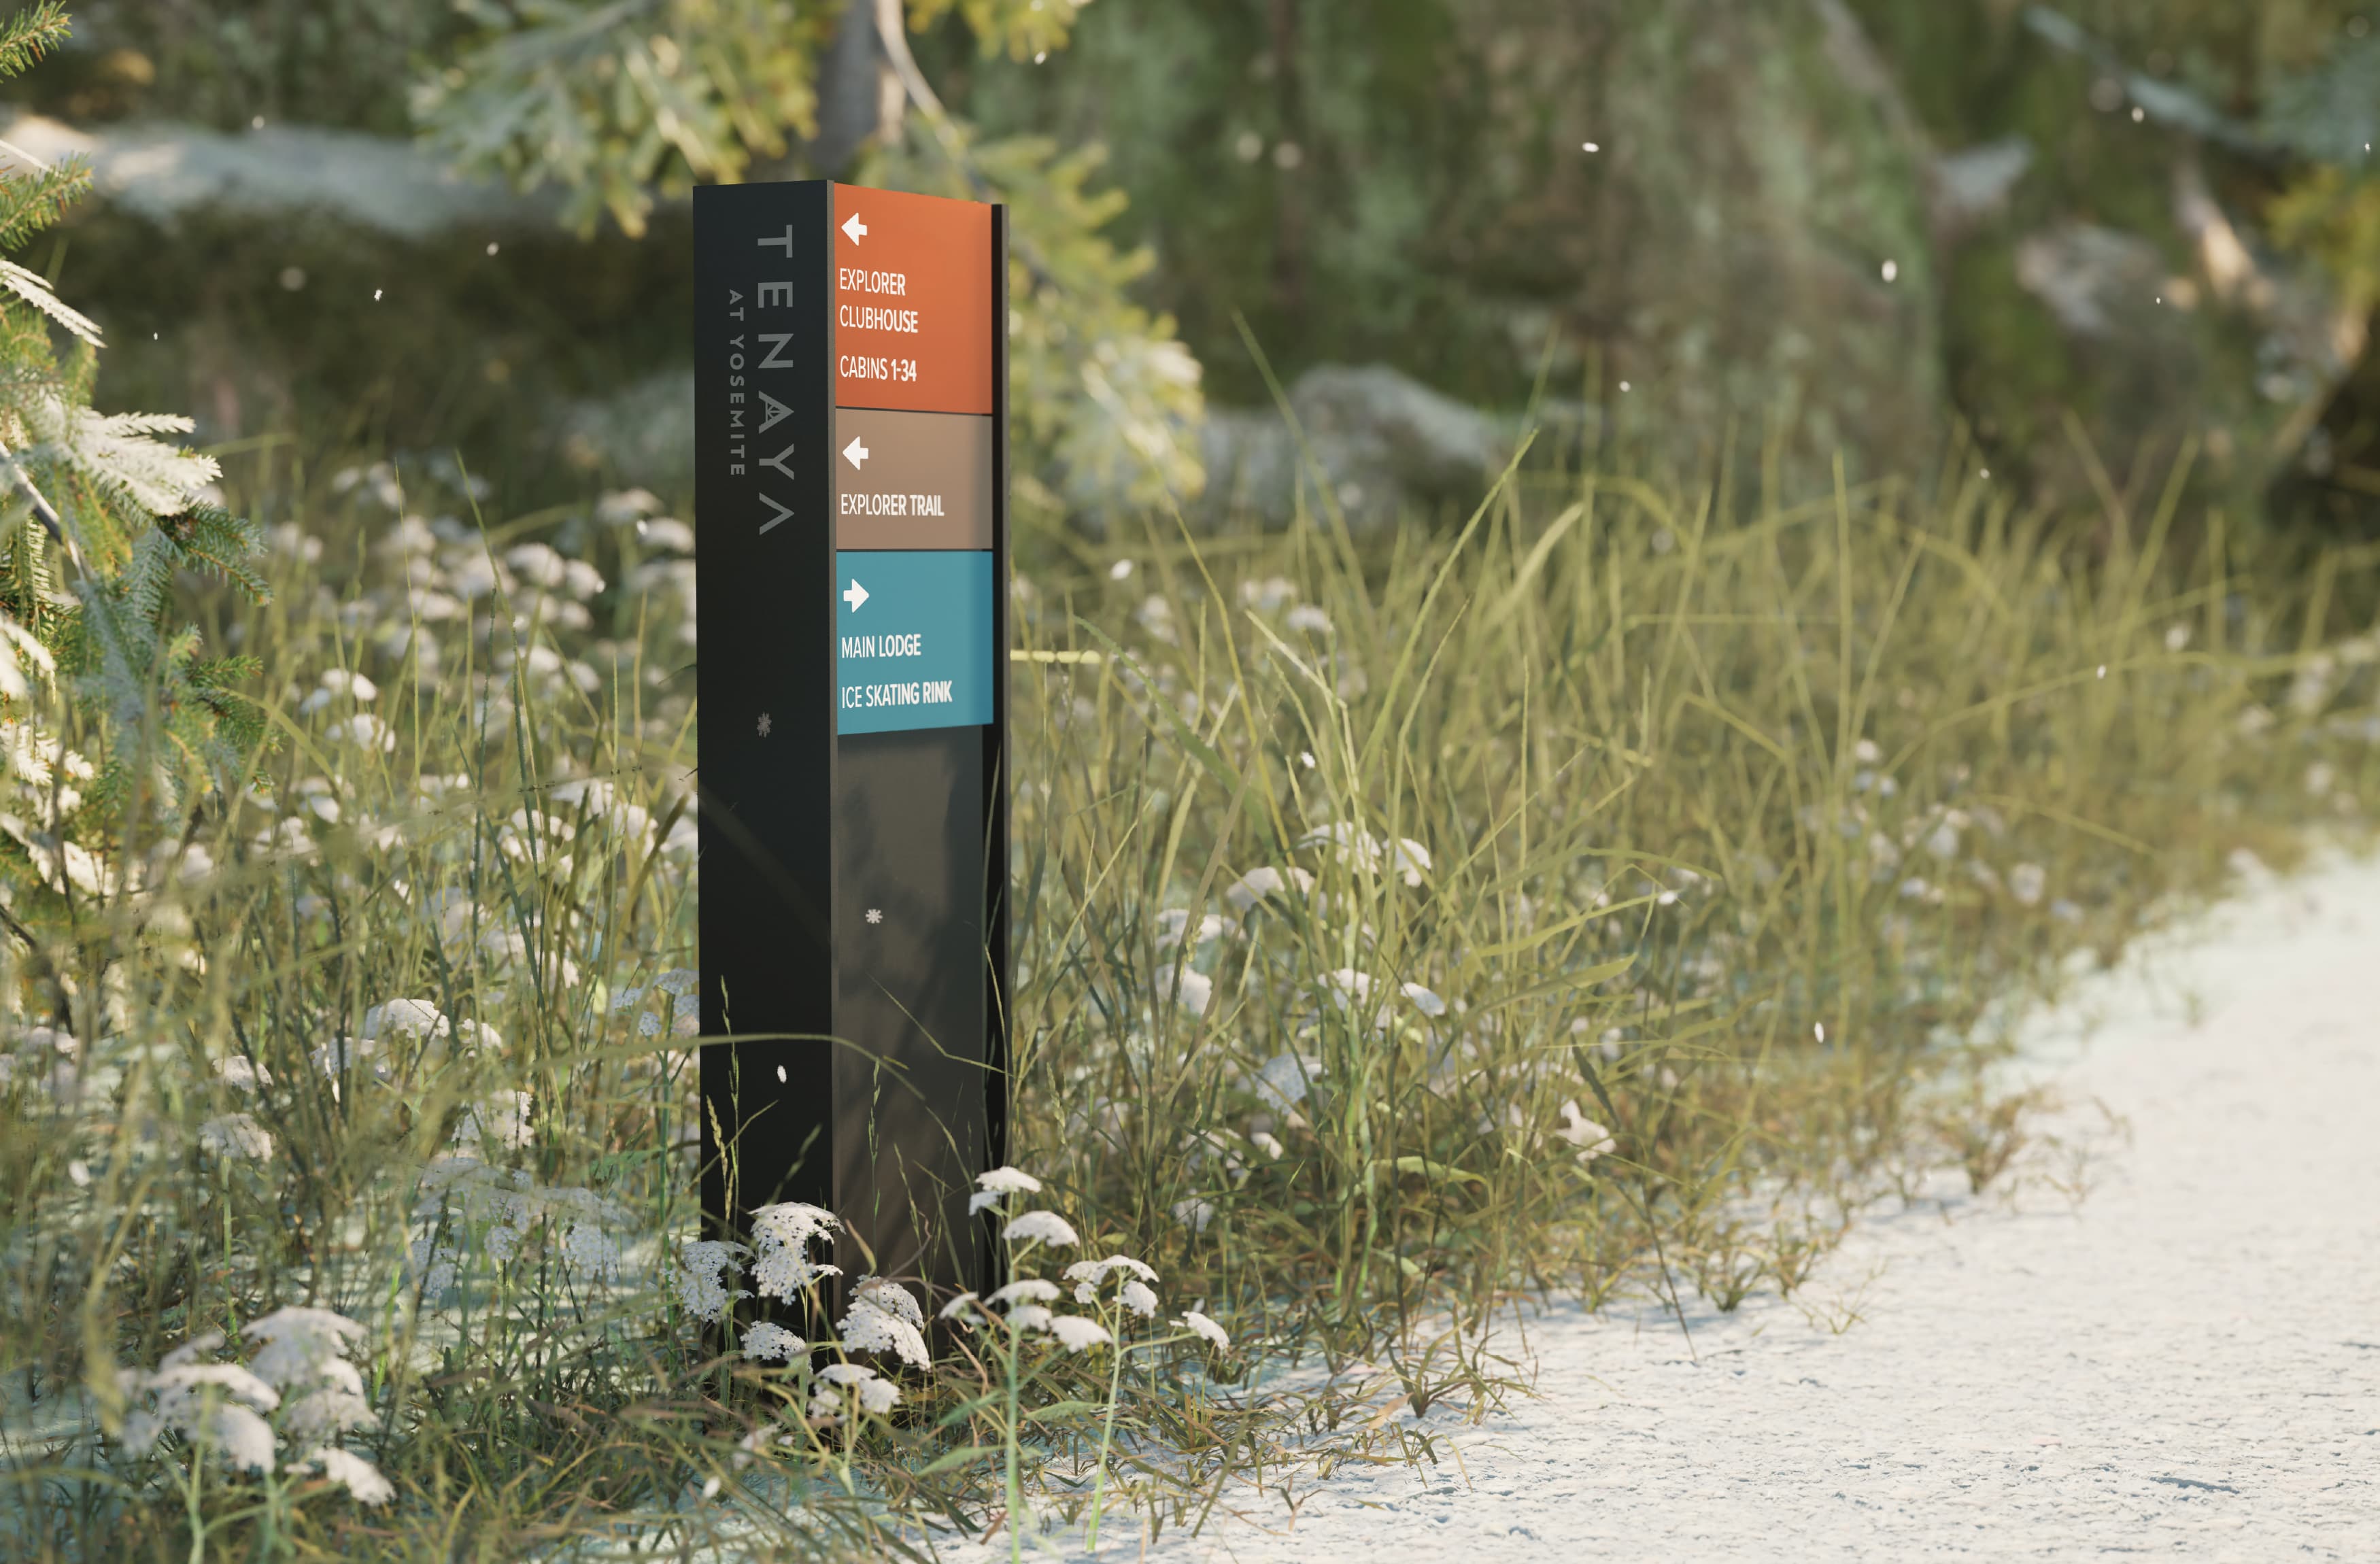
(851, 418)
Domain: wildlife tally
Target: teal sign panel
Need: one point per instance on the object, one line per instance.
(913, 640)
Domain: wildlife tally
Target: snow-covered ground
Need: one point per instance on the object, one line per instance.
(2186, 1363)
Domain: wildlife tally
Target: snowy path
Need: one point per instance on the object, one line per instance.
(2187, 1365)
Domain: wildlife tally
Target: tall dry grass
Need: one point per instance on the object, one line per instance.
(1606, 892)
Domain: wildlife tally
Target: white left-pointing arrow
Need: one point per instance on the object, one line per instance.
(857, 596)
(855, 227)
(855, 452)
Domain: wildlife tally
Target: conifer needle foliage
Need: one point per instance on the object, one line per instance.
(99, 512)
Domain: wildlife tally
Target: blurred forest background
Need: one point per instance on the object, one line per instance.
(2084, 237)
(1679, 847)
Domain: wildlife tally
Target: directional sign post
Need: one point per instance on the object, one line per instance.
(850, 423)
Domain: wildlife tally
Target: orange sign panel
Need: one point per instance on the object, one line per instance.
(911, 302)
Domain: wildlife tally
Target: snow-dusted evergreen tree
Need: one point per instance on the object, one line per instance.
(97, 513)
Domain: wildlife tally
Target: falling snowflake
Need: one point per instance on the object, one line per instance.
(876, 915)
(764, 724)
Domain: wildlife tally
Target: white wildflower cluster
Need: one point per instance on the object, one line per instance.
(495, 942)
(1022, 1309)
(1285, 1081)
(299, 1384)
(499, 1123)
(416, 1019)
(702, 1269)
(1177, 979)
(1183, 975)
(1367, 854)
(1045, 1228)
(995, 1185)
(1174, 928)
(302, 1352)
(528, 618)
(242, 1074)
(1187, 986)
(1591, 1138)
(883, 1317)
(842, 1386)
(666, 1007)
(1896, 840)
(396, 1039)
(48, 778)
(464, 1204)
(1134, 1291)
(220, 1405)
(46, 1059)
(335, 687)
(782, 1234)
(1206, 1329)
(1118, 1288)
(237, 1136)
(767, 1341)
(1269, 595)
(1245, 893)
(1570, 1125)
(538, 835)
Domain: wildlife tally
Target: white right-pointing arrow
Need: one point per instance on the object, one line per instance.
(855, 227)
(855, 452)
(857, 596)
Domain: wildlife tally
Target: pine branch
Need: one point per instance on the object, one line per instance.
(31, 34)
(30, 202)
(34, 289)
(212, 539)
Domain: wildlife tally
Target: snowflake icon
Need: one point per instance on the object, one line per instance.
(764, 724)
(876, 915)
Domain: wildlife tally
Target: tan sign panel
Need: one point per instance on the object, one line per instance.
(911, 480)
